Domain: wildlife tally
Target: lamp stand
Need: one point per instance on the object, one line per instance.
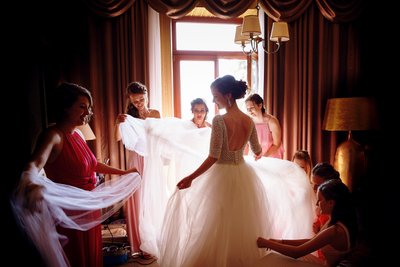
(350, 162)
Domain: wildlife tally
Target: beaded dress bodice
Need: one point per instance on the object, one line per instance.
(219, 143)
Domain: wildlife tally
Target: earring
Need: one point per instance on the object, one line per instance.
(229, 102)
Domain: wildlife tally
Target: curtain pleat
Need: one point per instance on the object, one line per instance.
(175, 8)
(227, 9)
(109, 8)
(285, 10)
(339, 10)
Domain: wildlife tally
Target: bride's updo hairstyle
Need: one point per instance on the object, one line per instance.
(229, 85)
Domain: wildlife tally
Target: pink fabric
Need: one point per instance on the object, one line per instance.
(265, 138)
(132, 205)
(84, 248)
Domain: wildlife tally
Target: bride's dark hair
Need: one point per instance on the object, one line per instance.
(229, 85)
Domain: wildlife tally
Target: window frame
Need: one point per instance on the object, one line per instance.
(197, 55)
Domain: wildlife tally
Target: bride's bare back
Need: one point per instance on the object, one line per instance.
(238, 126)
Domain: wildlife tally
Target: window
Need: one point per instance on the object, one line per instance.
(203, 49)
(195, 36)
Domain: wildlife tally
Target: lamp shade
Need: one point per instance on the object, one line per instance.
(279, 32)
(251, 25)
(87, 131)
(239, 37)
(350, 114)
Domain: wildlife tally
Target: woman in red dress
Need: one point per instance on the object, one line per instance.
(67, 159)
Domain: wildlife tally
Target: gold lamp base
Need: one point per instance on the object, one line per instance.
(350, 162)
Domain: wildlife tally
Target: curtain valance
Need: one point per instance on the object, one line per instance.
(333, 10)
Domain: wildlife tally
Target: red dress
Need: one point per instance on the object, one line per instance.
(76, 166)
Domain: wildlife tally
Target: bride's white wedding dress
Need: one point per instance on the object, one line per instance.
(217, 220)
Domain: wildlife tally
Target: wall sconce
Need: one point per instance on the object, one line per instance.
(87, 131)
(350, 114)
(250, 30)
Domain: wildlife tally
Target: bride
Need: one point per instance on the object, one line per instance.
(215, 214)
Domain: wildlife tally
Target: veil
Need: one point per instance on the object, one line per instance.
(172, 148)
(94, 207)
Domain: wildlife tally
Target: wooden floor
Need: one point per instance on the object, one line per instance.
(132, 263)
(115, 234)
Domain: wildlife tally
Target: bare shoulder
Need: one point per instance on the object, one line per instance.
(271, 119)
(50, 137)
(154, 113)
(335, 230)
(51, 133)
(249, 121)
(338, 236)
(339, 228)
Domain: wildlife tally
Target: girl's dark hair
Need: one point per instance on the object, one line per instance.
(343, 210)
(198, 101)
(229, 85)
(134, 88)
(257, 99)
(66, 94)
(326, 171)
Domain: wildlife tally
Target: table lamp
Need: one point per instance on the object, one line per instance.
(87, 131)
(350, 114)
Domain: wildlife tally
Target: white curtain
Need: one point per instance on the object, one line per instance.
(155, 89)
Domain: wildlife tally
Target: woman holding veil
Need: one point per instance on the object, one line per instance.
(61, 213)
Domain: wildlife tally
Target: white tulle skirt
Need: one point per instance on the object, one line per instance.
(217, 220)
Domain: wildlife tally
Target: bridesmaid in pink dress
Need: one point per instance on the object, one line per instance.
(269, 131)
(137, 106)
(67, 159)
